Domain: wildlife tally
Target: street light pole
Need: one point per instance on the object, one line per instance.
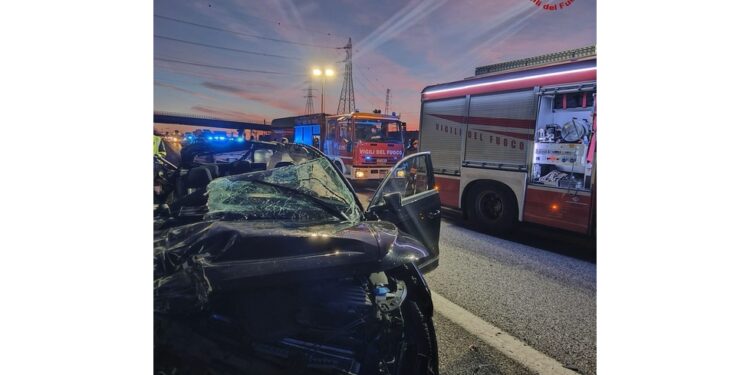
(328, 72)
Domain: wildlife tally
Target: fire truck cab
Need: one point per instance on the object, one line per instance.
(517, 142)
(364, 145)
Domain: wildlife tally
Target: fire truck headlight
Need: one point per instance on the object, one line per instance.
(400, 173)
(359, 174)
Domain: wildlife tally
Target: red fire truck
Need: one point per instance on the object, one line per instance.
(517, 142)
(364, 145)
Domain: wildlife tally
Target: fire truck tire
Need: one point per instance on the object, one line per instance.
(491, 207)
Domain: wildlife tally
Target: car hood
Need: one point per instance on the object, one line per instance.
(191, 262)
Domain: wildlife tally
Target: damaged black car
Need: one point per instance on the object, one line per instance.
(266, 262)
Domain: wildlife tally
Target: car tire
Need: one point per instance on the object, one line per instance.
(420, 356)
(491, 208)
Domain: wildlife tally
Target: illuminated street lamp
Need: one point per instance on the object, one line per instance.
(317, 72)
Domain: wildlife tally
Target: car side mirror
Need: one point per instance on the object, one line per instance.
(393, 201)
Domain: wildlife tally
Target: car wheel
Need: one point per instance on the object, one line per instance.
(420, 356)
(491, 208)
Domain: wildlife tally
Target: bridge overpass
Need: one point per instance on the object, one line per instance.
(208, 122)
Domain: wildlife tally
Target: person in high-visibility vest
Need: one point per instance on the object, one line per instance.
(159, 148)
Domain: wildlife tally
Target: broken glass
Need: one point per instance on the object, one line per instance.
(308, 191)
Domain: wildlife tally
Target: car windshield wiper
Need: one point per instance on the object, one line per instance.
(330, 208)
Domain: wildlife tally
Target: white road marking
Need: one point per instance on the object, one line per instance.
(506, 344)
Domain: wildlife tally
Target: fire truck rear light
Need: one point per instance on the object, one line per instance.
(554, 207)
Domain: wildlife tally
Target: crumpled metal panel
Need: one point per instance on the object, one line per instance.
(193, 261)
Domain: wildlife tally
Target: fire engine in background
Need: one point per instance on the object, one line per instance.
(517, 142)
(364, 145)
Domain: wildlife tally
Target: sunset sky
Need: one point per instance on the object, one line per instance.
(401, 45)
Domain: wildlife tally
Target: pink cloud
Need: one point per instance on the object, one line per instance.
(180, 89)
(266, 97)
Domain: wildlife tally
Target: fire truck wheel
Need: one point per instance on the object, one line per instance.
(491, 208)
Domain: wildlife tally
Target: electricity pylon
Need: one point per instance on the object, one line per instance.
(346, 101)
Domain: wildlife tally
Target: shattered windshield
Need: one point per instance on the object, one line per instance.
(310, 191)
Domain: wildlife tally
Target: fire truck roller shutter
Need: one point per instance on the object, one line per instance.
(442, 129)
(500, 129)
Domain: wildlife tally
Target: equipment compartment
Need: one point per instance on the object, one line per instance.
(563, 134)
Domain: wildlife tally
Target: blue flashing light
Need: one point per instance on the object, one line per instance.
(381, 291)
(239, 139)
(368, 157)
(210, 138)
(222, 138)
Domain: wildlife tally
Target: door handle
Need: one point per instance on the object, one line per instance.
(433, 214)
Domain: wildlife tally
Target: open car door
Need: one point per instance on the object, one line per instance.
(408, 198)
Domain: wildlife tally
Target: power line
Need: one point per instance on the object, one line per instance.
(225, 67)
(241, 33)
(326, 33)
(202, 74)
(362, 75)
(366, 87)
(225, 48)
(367, 96)
(307, 30)
(375, 77)
(367, 79)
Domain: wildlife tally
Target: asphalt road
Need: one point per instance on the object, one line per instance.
(535, 284)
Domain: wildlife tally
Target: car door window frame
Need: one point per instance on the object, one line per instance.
(377, 197)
